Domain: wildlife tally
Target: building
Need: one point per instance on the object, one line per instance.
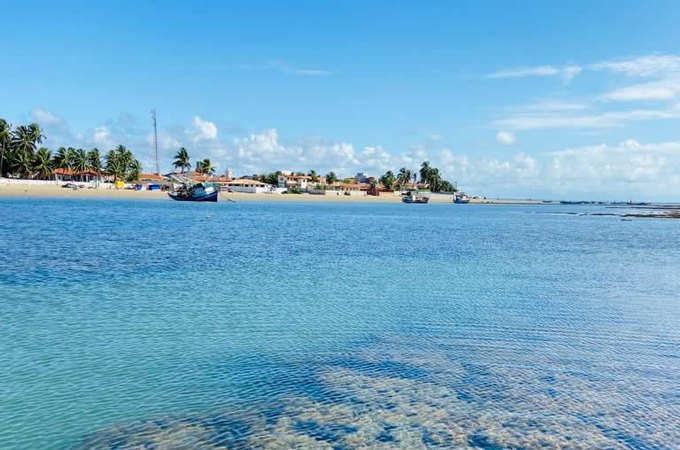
(248, 186)
(84, 176)
(351, 188)
(294, 181)
(361, 177)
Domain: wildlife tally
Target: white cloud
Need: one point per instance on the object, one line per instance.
(571, 71)
(101, 137)
(535, 121)
(285, 67)
(643, 66)
(540, 71)
(567, 72)
(556, 106)
(505, 137)
(45, 117)
(665, 68)
(628, 169)
(656, 90)
(264, 152)
(204, 129)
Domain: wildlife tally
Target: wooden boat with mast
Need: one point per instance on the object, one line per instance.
(189, 191)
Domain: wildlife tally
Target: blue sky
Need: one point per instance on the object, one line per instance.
(534, 99)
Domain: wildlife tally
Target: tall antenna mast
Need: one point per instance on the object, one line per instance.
(155, 138)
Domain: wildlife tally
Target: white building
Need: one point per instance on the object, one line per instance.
(294, 181)
(248, 186)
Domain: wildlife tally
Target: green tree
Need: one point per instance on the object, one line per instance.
(404, 177)
(314, 176)
(182, 160)
(119, 163)
(447, 186)
(42, 163)
(272, 178)
(331, 178)
(425, 171)
(134, 170)
(64, 158)
(80, 160)
(205, 167)
(24, 140)
(388, 180)
(22, 163)
(94, 160)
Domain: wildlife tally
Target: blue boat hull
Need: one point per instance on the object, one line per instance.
(211, 197)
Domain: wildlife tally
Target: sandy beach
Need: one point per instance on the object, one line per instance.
(55, 191)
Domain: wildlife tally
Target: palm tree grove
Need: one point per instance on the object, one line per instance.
(20, 157)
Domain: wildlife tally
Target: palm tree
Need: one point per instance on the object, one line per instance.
(64, 158)
(404, 177)
(135, 168)
(23, 144)
(5, 143)
(435, 180)
(26, 137)
(42, 163)
(94, 161)
(425, 171)
(205, 167)
(81, 162)
(314, 176)
(182, 160)
(388, 180)
(22, 164)
(119, 162)
(331, 178)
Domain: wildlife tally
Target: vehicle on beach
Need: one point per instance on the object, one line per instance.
(414, 197)
(461, 198)
(195, 192)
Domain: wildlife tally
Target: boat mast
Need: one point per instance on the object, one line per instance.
(155, 138)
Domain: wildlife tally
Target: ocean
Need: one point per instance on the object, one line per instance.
(158, 324)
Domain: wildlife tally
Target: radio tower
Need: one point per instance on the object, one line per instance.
(155, 138)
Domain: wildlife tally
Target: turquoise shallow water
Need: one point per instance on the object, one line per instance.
(253, 325)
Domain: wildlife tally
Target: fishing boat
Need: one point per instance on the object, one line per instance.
(461, 198)
(413, 197)
(195, 192)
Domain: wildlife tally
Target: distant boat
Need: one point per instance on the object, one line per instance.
(199, 192)
(413, 197)
(461, 198)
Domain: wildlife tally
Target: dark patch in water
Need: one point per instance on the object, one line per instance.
(385, 437)
(550, 379)
(464, 396)
(482, 442)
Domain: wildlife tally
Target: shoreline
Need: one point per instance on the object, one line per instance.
(33, 191)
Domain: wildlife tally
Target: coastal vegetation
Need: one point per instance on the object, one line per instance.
(20, 157)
